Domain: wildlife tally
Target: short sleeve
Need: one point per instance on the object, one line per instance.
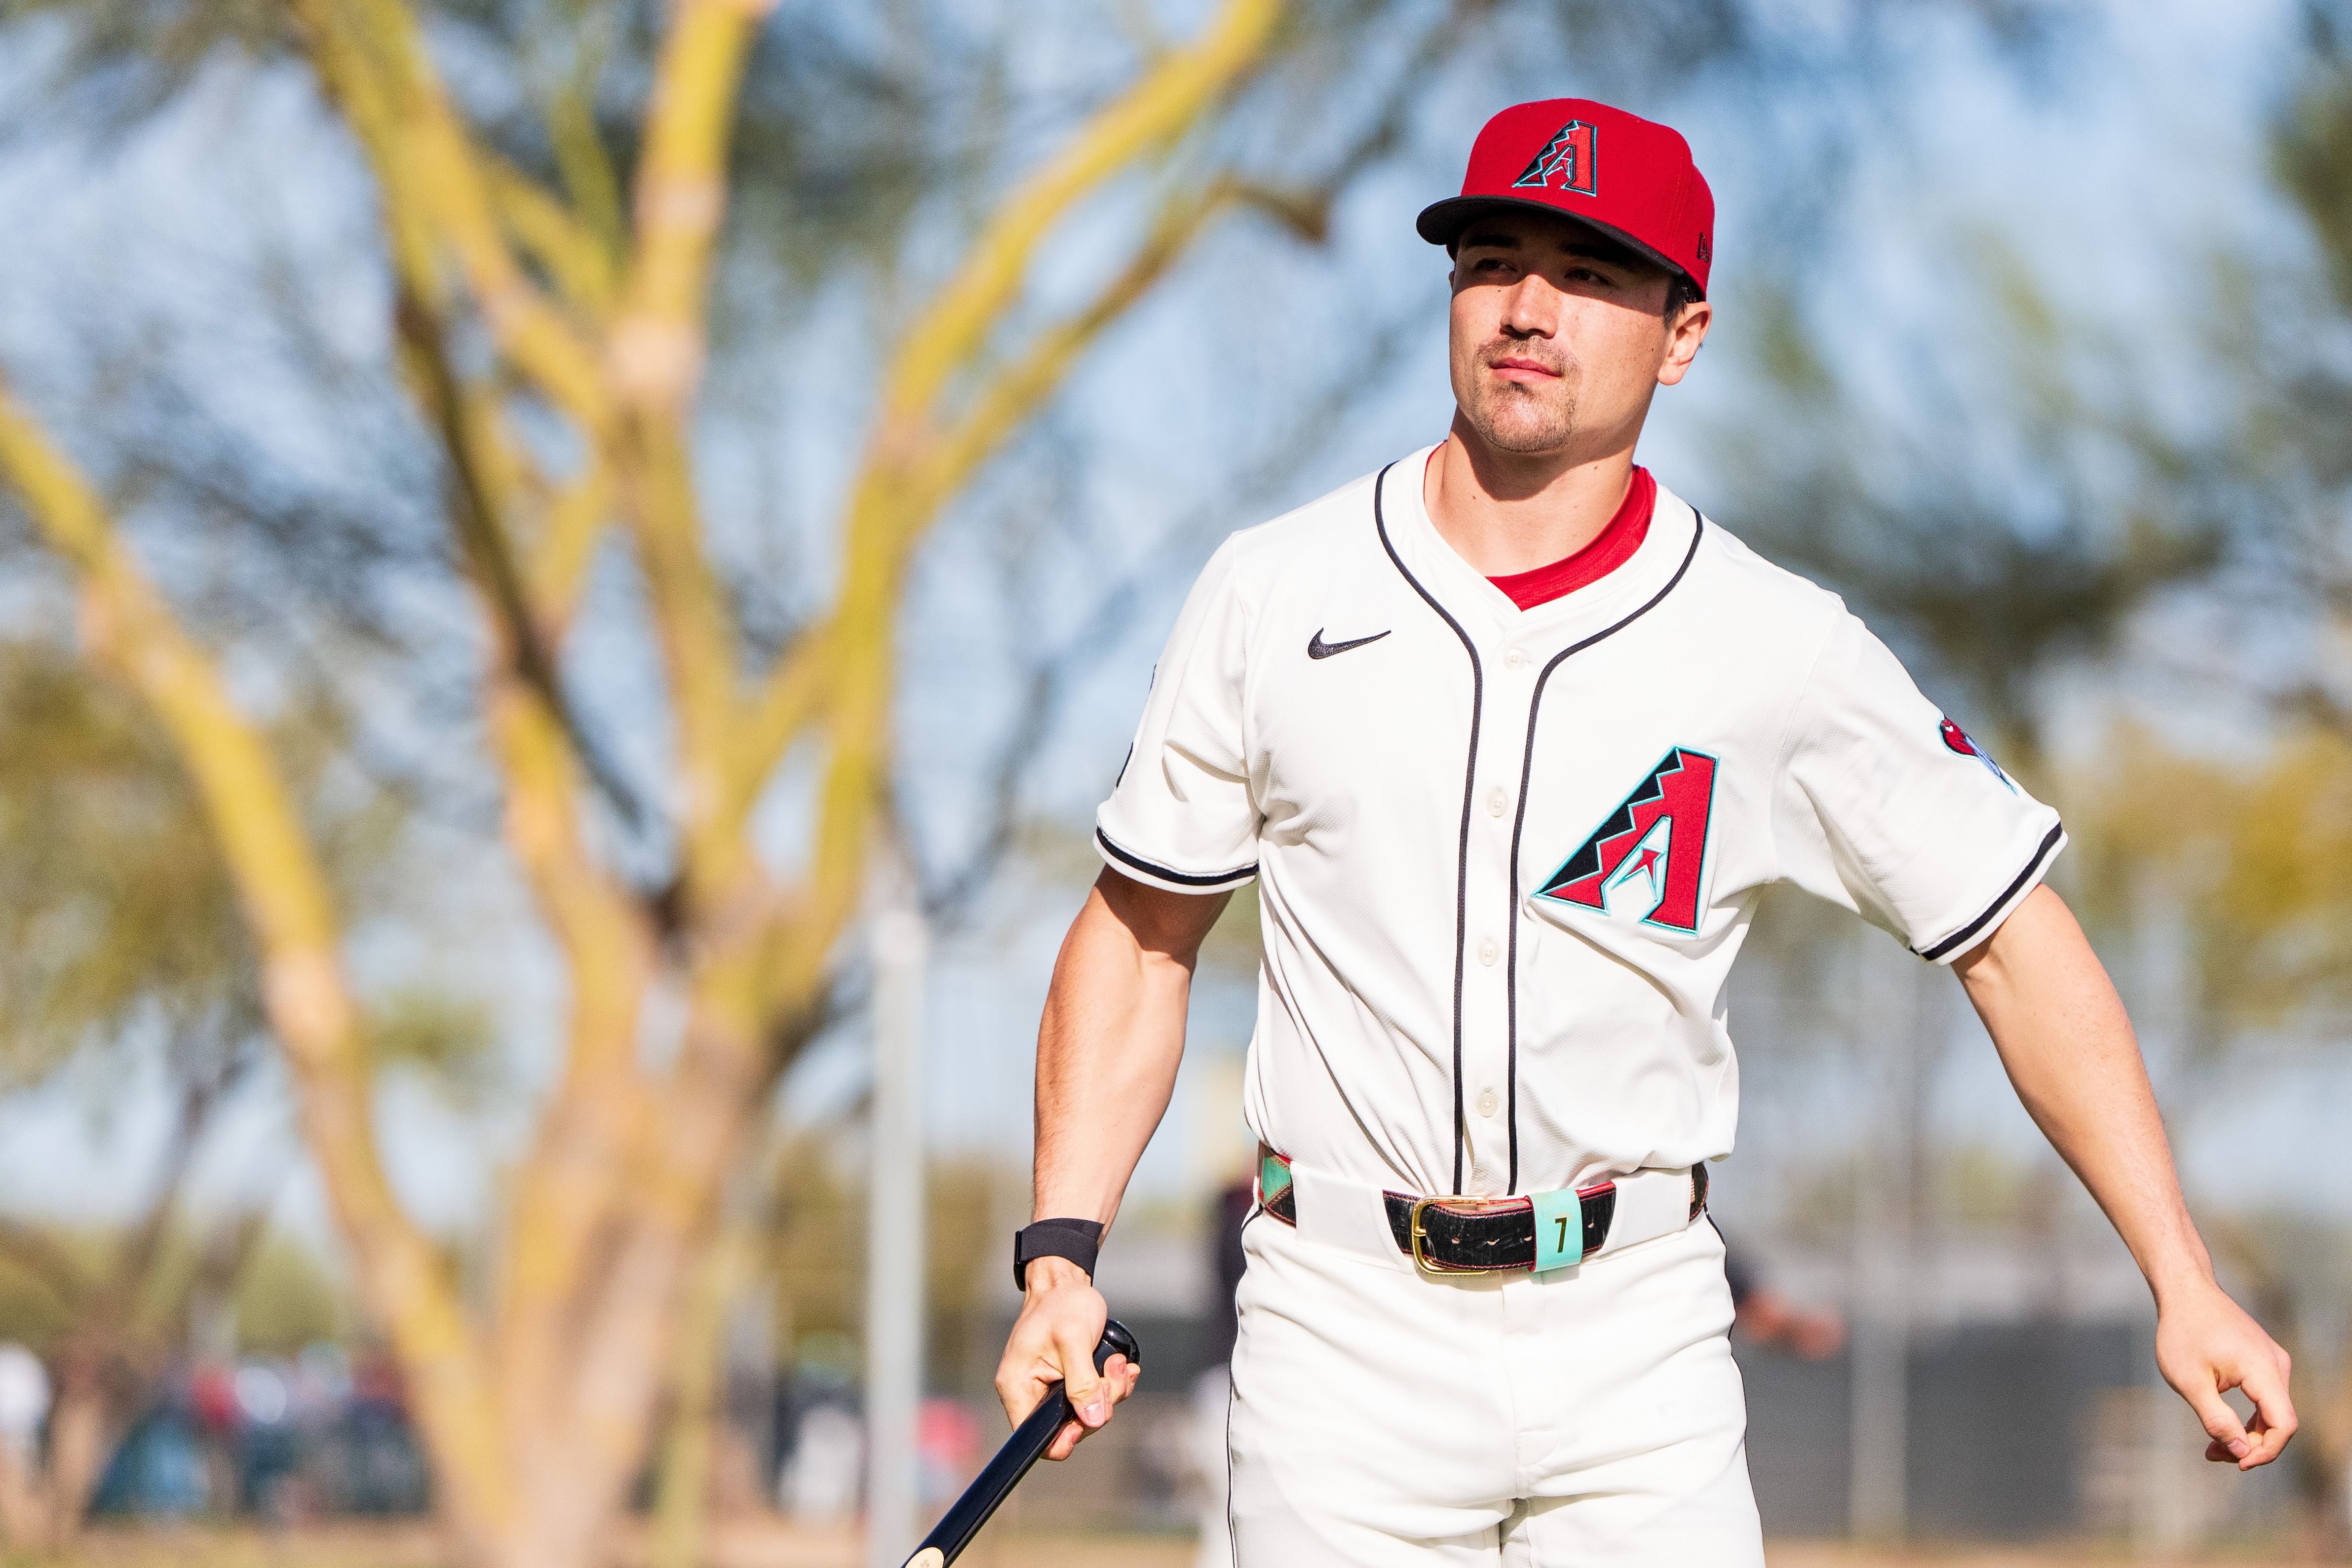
(1885, 806)
(1183, 816)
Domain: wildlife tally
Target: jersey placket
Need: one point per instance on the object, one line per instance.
(1504, 665)
(1513, 660)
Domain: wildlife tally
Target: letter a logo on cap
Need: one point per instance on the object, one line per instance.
(1567, 158)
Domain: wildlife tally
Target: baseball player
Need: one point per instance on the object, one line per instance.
(1511, 738)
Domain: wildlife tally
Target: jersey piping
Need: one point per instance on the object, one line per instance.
(2041, 858)
(1518, 824)
(1469, 796)
(1213, 880)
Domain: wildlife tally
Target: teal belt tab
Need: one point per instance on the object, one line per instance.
(1560, 1229)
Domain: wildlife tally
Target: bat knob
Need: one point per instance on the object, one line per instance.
(928, 1557)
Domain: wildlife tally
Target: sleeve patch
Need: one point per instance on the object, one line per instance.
(1959, 740)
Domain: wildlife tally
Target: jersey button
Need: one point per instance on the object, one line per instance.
(1489, 1105)
(1516, 658)
(1488, 952)
(1497, 801)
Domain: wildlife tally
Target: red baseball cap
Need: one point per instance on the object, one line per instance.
(1631, 178)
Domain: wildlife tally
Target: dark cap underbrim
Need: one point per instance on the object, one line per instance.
(1442, 222)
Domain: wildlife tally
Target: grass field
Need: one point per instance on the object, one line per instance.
(769, 1546)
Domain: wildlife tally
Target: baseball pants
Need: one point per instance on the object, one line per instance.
(1589, 1418)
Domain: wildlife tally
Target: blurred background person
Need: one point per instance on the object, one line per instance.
(1765, 1318)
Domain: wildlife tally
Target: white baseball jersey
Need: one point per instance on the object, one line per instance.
(1506, 858)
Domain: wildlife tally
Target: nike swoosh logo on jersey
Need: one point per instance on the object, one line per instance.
(1319, 649)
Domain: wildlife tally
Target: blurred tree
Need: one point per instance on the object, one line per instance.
(554, 349)
(2005, 518)
(118, 913)
(123, 951)
(118, 932)
(2294, 441)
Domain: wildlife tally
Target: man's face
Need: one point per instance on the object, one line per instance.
(1558, 334)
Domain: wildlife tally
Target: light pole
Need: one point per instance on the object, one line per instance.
(1880, 1359)
(894, 1232)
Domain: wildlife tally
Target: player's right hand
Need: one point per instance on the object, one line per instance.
(1054, 1341)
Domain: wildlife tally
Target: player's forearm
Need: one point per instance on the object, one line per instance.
(2069, 1048)
(1112, 1037)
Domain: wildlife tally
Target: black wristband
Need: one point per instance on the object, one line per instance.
(1079, 1240)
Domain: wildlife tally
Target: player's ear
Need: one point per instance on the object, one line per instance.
(1684, 333)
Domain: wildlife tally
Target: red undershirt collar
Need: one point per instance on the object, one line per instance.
(1610, 548)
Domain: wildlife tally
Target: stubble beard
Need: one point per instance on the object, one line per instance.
(1517, 416)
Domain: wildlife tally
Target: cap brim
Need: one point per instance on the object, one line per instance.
(1442, 222)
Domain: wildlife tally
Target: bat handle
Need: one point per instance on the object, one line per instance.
(1003, 1473)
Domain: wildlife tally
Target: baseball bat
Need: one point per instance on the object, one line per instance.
(1001, 1474)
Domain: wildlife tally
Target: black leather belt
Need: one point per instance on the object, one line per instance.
(1486, 1235)
(1470, 1234)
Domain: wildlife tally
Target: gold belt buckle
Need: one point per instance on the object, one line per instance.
(1447, 1271)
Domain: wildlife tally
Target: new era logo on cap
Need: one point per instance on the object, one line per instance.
(1547, 155)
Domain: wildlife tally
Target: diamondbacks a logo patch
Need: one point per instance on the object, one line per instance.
(1959, 740)
(1652, 849)
(1568, 161)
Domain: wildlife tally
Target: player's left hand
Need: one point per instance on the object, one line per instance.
(2206, 1344)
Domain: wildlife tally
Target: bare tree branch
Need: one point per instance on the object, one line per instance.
(476, 510)
(371, 58)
